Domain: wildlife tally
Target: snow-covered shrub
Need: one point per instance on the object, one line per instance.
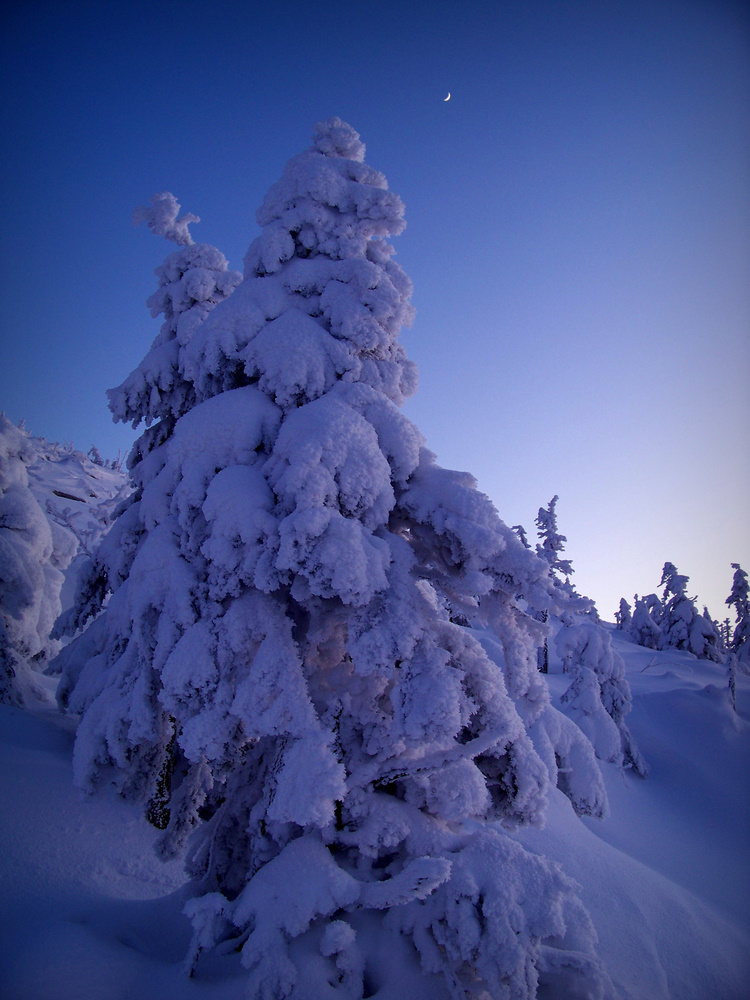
(275, 669)
(599, 694)
(34, 551)
(598, 697)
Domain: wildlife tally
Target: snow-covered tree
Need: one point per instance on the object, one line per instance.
(552, 543)
(623, 616)
(682, 625)
(34, 551)
(739, 599)
(599, 694)
(644, 626)
(274, 662)
(521, 532)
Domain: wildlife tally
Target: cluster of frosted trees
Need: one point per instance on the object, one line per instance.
(265, 650)
(673, 620)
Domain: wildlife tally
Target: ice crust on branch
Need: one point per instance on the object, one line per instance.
(273, 665)
(161, 217)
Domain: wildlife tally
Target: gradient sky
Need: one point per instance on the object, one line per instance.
(578, 233)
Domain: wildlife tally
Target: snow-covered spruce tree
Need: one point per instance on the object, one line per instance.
(623, 616)
(552, 544)
(682, 625)
(644, 627)
(549, 547)
(34, 551)
(275, 664)
(739, 599)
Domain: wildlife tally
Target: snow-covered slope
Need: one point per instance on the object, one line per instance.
(79, 495)
(666, 876)
(88, 910)
(42, 543)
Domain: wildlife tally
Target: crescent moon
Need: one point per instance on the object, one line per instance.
(447, 98)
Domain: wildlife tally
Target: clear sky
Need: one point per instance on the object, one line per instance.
(578, 233)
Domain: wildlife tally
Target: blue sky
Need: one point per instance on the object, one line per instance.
(578, 233)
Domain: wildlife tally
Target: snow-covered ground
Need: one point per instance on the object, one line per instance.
(666, 877)
(89, 912)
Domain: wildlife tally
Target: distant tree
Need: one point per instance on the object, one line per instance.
(521, 532)
(644, 626)
(623, 617)
(33, 553)
(552, 543)
(549, 548)
(726, 634)
(270, 658)
(682, 626)
(739, 599)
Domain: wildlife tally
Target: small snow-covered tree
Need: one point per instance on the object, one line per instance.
(682, 625)
(552, 543)
(34, 551)
(274, 661)
(521, 532)
(549, 548)
(644, 626)
(623, 616)
(739, 599)
(599, 694)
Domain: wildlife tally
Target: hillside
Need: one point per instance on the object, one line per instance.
(90, 912)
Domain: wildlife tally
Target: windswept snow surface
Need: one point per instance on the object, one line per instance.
(89, 912)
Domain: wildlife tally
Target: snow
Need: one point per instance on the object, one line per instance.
(56, 504)
(89, 910)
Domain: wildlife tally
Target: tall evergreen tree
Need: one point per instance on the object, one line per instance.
(270, 656)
